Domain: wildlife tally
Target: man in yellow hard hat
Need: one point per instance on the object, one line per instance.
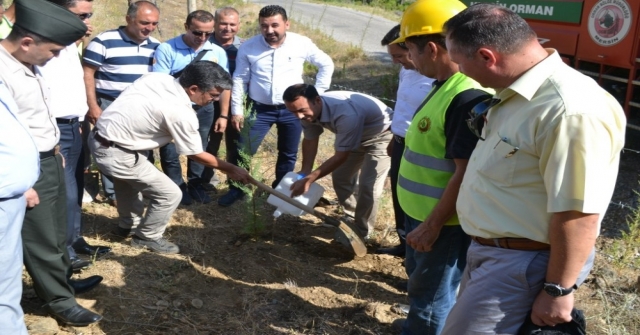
(438, 146)
(538, 185)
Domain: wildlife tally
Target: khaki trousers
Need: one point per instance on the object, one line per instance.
(358, 182)
(134, 176)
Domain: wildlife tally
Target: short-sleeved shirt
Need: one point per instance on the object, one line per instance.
(552, 145)
(174, 55)
(30, 91)
(119, 59)
(353, 117)
(152, 112)
(20, 166)
(231, 50)
(412, 90)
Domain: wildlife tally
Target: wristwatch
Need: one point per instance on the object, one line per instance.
(556, 290)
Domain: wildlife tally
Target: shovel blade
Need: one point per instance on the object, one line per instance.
(350, 240)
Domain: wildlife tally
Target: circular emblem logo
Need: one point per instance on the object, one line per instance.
(424, 124)
(609, 22)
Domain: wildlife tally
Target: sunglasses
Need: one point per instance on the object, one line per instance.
(201, 33)
(84, 16)
(478, 116)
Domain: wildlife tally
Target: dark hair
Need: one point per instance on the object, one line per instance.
(18, 32)
(421, 41)
(132, 11)
(273, 10)
(224, 11)
(488, 25)
(68, 3)
(200, 16)
(293, 92)
(391, 36)
(206, 75)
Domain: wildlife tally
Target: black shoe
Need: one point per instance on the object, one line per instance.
(122, 232)
(84, 285)
(76, 316)
(199, 194)
(78, 264)
(210, 188)
(186, 197)
(232, 196)
(92, 250)
(398, 250)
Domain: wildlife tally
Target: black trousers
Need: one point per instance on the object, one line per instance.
(44, 234)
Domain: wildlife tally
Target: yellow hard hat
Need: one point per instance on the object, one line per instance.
(425, 17)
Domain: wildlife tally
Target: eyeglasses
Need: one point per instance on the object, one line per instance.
(478, 116)
(84, 16)
(201, 33)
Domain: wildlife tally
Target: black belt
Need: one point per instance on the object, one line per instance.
(259, 105)
(106, 143)
(50, 153)
(103, 141)
(66, 121)
(399, 139)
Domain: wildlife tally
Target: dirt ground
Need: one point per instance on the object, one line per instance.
(289, 279)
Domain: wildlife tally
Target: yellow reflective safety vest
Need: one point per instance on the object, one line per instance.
(424, 170)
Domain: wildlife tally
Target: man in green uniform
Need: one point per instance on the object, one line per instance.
(40, 32)
(438, 145)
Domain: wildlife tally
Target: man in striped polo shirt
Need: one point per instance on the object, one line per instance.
(116, 58)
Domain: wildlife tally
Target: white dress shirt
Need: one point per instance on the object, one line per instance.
(412, 90)
(269, 71)
(66, 83)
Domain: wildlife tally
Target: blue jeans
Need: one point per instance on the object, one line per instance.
(170, 159)
(434, 277)
(289, 132)
(12, 211)
(71, 150)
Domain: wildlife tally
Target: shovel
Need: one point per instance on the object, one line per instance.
(351, 240)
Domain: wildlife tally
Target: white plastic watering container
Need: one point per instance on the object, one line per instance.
(310, 198)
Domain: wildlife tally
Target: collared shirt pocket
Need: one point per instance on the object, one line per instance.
(501, 163)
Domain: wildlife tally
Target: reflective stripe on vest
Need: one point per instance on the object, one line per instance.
(417, 188)
(424, 171)
(428, 161)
